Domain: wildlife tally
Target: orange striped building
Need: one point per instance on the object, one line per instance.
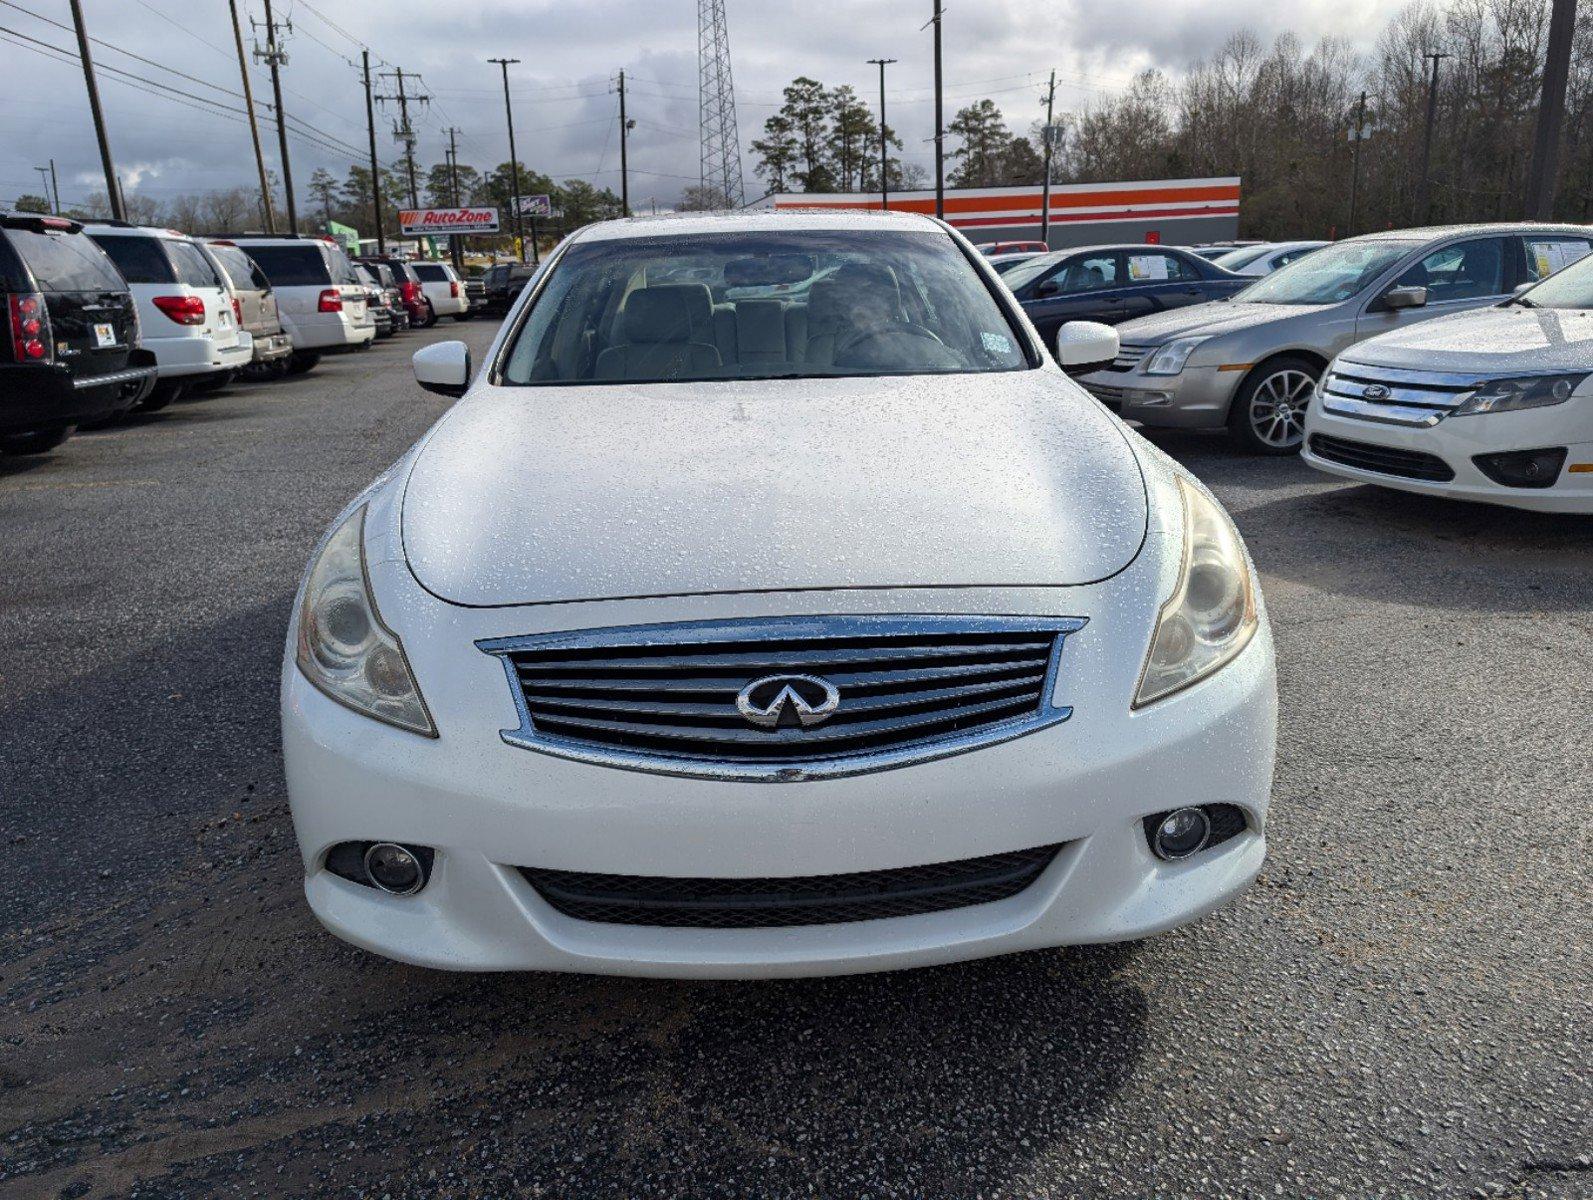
(1174, 211)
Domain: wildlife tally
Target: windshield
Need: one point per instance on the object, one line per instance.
(1028, 271)
(1571, 287)
(1328, 275)
(762, 305)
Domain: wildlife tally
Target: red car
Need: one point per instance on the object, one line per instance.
(989, 248)
(408, 284)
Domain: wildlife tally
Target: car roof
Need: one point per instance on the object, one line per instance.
(155, 231)
(760, 221)
(1434, 232)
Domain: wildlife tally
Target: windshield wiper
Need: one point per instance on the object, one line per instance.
(1521, 300)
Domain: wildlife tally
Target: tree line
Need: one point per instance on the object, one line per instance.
(1280, 116)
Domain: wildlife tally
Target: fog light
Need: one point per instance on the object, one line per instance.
(394, 869)
(1523, 468)
(1182, 832)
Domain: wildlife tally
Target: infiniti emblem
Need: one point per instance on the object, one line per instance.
(774, 700)
(1374, 391)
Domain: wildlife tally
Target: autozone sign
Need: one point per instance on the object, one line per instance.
(417, 222)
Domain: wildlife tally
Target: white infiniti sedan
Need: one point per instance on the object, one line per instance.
(743, 637)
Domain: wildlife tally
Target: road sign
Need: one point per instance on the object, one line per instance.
(1054, 135)
(414, 222)
(536, 206)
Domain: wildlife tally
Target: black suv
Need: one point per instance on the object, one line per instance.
(503, 285)
(70, 352)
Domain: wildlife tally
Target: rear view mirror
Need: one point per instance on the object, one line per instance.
(443, 368)
(1085, 344)
(1049, 288)
(1405, 297)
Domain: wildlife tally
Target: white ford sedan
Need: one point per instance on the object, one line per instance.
(1493, 405)
(772, 605)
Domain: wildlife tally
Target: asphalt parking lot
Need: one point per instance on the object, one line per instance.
(1400, 1007)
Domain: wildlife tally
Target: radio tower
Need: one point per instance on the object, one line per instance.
(716, 103)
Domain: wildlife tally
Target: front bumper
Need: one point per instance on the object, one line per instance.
(1195, 398)
(489, 808)
(1456, 440)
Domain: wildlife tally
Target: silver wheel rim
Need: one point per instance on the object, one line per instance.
(1277, 407)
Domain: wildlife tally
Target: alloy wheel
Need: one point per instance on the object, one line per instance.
(1277, 407)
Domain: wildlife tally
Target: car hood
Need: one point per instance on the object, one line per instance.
(1489, 341)
(551, 494)
(1205, 320)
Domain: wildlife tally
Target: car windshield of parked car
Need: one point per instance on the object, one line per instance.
(1329, 275)
(1571, 287)
(139, 258)
(292, 266)
(240, 269)
(1027, 272)
(670, 309)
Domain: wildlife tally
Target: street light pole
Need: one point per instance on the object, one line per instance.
(1355, 161)
(514, 163)
(884, 151)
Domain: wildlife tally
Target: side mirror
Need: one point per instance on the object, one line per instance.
(1405, 297)
(1049, 288)
(1085, 343)
(443, 367)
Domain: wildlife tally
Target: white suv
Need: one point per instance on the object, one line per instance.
(319, 298)
(185, 312)
(443, 289)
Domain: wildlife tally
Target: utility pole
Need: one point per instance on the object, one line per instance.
(453, 175)
(376, 171)
(277, 58)
(514, 163)
(940, 129)
(1423, 196)
(254, 126)
(113, 186)
(1551, 112)
(55, 185)
(884, 146)
(625, 170)
(1357, 135)
(44, 178)
(1045, 189)
(403, 131)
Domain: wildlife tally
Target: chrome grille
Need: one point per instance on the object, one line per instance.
(1129, 357)
(663, 698)
(1397, 397)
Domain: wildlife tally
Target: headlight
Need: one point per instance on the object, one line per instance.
(343, 647)
(1211, 615)
(1508, 395)
(1170, 359)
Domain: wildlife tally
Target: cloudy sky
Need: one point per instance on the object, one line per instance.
(565, 111)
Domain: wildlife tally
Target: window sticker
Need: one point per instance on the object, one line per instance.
(1145, 267)
(996, 343)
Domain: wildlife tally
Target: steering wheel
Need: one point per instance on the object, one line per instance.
(869, 335)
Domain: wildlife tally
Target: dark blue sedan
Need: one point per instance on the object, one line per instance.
(1112, 284)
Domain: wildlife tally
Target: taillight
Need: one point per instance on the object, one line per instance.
(31, 339)
(411, 292)
(185, 310)
(237, 310)
(331, 301)
(453, 288)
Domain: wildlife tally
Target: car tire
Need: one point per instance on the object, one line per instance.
(35, 441)
(1268, 412)
(300, 362)
(158, 399)
(431, 316)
